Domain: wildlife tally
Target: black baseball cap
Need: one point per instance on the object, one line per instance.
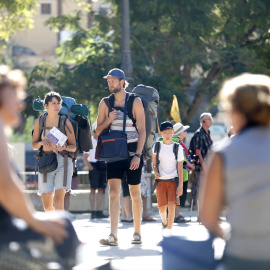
(166, 125)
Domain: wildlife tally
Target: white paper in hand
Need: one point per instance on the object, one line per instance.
(57, 137)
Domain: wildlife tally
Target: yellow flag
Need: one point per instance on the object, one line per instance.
(175, 113)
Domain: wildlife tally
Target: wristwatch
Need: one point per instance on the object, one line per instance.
(137, 155)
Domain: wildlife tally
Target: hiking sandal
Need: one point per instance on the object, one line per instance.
(136, 241)
(107, 242)
(164, 226)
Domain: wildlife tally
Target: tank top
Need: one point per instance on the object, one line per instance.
(117, 124)
(246, 159)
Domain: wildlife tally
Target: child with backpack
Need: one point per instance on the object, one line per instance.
(169, 174)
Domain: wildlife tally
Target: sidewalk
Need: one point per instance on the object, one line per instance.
(127, 256)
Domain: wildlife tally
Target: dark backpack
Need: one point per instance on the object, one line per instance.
(157, 151)
(150, 100)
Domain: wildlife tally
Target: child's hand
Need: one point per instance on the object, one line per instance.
(158, 175)
(179, 191)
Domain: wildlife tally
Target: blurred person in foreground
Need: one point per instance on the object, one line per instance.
(15, 207)
(238, 175)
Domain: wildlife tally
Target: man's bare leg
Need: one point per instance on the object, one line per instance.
(114, 195)
(135, 192)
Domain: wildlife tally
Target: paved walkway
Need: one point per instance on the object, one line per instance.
(127, 256)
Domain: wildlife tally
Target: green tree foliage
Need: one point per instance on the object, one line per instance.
(15, 15)
(179, 47)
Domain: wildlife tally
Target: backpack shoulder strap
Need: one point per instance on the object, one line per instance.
(62, 124)
(130, 106)
(42, 125)
(156, 151)
(109, 101)
(175, 150)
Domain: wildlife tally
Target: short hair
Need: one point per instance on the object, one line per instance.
(203, 115)
(49, 96)
(12, 78)
(248, 94)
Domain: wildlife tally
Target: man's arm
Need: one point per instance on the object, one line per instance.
(198, 153)
(140, 122)
(103, 120)
(138, 114)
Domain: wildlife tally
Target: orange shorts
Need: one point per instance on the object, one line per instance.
(166, 192)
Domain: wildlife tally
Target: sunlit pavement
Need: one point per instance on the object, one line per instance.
(127, 256)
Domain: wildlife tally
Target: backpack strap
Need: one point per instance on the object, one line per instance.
(129, 108)
(175, 150)
(156, 151)
(109, 101)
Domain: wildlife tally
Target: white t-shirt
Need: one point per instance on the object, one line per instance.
(167, 165)
(92, 152)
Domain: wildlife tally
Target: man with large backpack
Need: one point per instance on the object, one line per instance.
(133, 165)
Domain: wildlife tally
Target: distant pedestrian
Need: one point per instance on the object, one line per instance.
(238, 175)
(199, 145)
(97, 178)
(169, 174)
(74, 185)
(146, 194)
(126, 216)
(181, 131)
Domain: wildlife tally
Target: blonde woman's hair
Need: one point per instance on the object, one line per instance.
(248, 94)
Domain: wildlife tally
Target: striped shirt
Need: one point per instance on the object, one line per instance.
(117, 124)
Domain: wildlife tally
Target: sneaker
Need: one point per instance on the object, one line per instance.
(93, 215)
(180, 219)
(99, 214)
(127, 220)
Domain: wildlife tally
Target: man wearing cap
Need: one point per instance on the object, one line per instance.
(97, 178)
(133, 165)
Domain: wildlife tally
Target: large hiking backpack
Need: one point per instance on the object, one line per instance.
(77, 114)
(150, 100)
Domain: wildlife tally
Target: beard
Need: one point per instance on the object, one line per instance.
(116, 89)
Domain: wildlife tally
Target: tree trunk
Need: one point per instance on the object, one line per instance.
(201, 90)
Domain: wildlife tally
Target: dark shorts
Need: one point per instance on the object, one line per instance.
(97, 177)
(118, 168)
(125, 187)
